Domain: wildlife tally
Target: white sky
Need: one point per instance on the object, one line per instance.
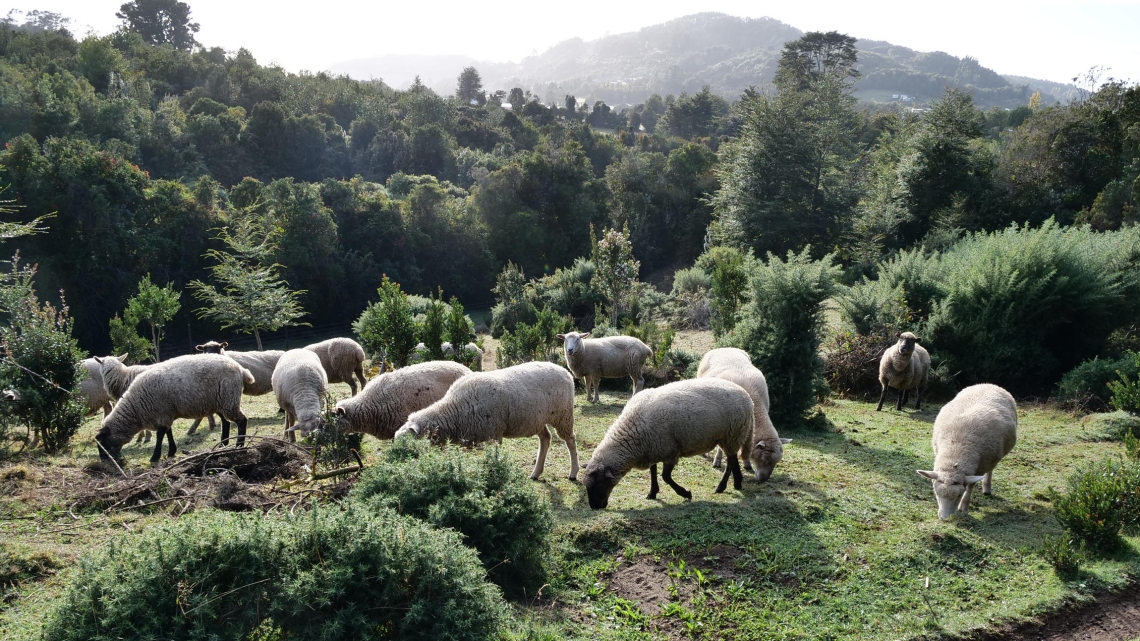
(1049, 39)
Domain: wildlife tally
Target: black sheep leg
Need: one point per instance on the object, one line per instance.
(654, 488)
(667, 474)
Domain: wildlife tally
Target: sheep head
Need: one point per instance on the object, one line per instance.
(212, 347)
(600, 482)
(572, 342)
(765, 455)
(906, 343)
(950, 490)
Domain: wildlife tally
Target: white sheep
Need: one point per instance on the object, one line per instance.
(384, 404)
(300, 384)
(904, 366)
(765, 449)
(420, 354)
(260, 364)
(514, 402)
(611, 357)
(117, 377)
(972, 433)
(92, 389)
(680, 419)
(183, 387)
(342, 358)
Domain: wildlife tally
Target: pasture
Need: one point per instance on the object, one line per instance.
(839, 544)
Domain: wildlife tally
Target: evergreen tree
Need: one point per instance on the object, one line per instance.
(160, 22)
(470, 87)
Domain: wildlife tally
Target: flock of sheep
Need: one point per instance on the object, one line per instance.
(724, 408)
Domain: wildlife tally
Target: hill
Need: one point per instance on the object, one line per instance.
(725, 52)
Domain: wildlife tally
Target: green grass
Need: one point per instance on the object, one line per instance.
(838, 544)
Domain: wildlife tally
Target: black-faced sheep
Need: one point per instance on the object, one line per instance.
(972, 433)
(514, 402)
(662, 425)
(384, 404)
(904, 366)
(593, 359)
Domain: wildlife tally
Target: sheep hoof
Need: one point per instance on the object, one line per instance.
(651, 496)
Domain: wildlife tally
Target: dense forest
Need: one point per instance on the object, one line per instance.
(142, 144)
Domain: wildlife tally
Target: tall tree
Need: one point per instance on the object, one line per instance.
(160, 22)
(817, 54)
(470, 87)
(252, 295)
(616, 269)
(154, 306)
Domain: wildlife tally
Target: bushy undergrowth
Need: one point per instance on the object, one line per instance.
(781, 329)
(1086, 386)
(1125, 389)
(332, 573)
(1063, 553)
(533, 342)
(1099, 501)
(484, 497)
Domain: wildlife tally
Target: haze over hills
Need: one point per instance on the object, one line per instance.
(725, 52)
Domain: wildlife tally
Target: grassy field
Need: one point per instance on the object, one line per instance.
(838, 544)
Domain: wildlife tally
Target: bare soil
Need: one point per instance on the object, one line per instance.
(1112, 617)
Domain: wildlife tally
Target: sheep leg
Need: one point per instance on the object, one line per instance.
(964, 504)
(225, 431)
(638, 383)
(737, 475)
(171, 447)
(667, 474)
(566, 433)
(918, 401)
(351, 384)
(241, 423)
(289, 421)
(543, 448)
(653, 487)
(987, 483)
(718, 458)
(213, 425)
(746, 456)
(360, 374)
(158, 434)
(106, 409)
(881, 397)
(194, 426)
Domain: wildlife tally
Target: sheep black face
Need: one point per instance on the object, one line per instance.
(907, 341)
(107, 449)
(600, 481)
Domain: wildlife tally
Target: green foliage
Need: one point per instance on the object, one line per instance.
(1099, 500)
(430, 330)
(40, 362)
(728, 275)
(658, 338)
(1086, 386)
(386, 328)
(332, 446)
(459, 330)
(329, 573)
(486, 498)
(615, 268)
(154, 306)
(513, 305)
(125, 340)
(160, 22)
(250, 294)
(1063, 553)
(1126, 389)
(538, 342)
(781, 329)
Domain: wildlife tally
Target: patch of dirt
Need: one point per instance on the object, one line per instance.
(1113, 617)
(645, 583)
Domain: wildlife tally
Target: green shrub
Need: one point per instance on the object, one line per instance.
(125, 340)
(513, 304)
(330, 573)
(1085, 387)
(728, 278)
(538, 342)
(387, 328)
(781, 329)
(691, 281)
(1099, 501)
(1126, 389)
(485, 498)
(430, 330)
(1063, 553)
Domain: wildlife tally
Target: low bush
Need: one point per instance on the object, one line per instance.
(331, 573)
(1086, 386)
(1063, 553)
(852, 363)
(1126, 389)
(1099, 501)
(486, 498)
(537, 342)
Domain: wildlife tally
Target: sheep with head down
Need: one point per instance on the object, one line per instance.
(300, 384)
(592, 359)
(343, 359)
(385, 403)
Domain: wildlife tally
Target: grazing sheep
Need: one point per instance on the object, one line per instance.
(386, 401)
(341, 358)
(183, 387)
(972, 433)
(904, 366)
(260, 364)
(300, 383)
(610, 357)
(117, 378)
(765, 449)
(92, 389)
(513, 402)
(685, 418)
(420, 354)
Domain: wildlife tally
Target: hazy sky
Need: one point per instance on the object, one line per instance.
(1054, 40)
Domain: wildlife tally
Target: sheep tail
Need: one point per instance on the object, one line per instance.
(247, 376)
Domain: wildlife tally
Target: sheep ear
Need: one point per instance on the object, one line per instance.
(560, 337)
(933, 476)
(917, 340)
(98, 360)
(339, 411)
(970, 480)
(225, 345)
(584, 335)
(785, 441)
(200, 348)
(124, 356)
(898, 335)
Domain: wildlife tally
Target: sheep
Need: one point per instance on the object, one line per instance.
(972, 433)
(300, 384)
(685, 418)
(117, 378)
(92, 389)
(420, 354)
(610, 357)
(341, 358)
(260, 364)
(513, 402)
(904, 366)
(765, 449)
(384, 404)
(183, 387)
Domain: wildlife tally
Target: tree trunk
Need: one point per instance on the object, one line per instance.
(154, 339)
(257, 337)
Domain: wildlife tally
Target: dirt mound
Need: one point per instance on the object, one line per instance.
(264, 461)
(1113, 617)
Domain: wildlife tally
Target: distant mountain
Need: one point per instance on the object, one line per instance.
(727, 53)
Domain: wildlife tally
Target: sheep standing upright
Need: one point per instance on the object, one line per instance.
(260, 364)
(94, 392)
(904, 366)
(386, 401)
(342, 358)
(300, 384)
(612, 357)
(972, 433)
(183, 387)
(765, 449)
(680, 419)
(513, 402)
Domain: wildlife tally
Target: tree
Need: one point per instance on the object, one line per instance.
(616, 269)
(126, 340)
(516, 98)
(160, 22)
(154, 305)
(387, 328)
(470, 87)
(817, 54)
(253, 297)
